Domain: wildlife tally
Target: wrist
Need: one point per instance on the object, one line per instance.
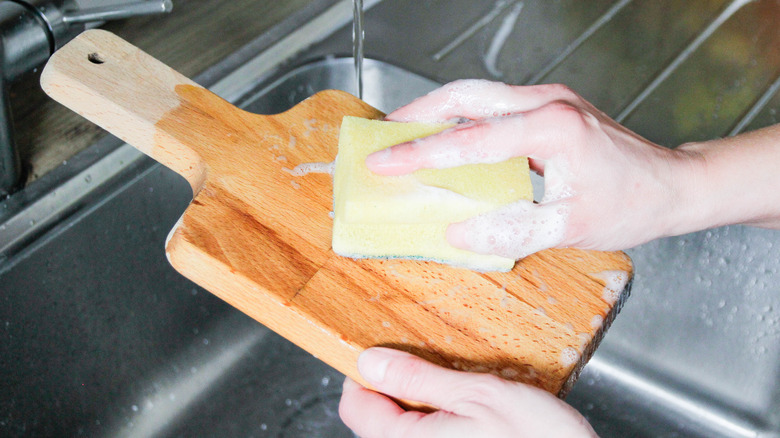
(689, 198)
(727, 181)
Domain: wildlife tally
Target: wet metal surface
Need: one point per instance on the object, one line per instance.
(100, 337)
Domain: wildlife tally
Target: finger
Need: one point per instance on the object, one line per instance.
(362, 409)
(539, 134)
(482, 141)
(477, 99)
(514, 231)
(370, 414)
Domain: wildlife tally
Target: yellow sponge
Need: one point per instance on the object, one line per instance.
(406, 216)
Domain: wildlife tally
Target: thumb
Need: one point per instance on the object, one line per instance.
(406, 376)
(514, 231)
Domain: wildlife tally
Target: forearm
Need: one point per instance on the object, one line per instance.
(735, 180)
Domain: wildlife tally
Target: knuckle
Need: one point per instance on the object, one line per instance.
(567, 116)
(472, 132)
(407, 425)
(408, 374)
(481, 390)
(561, 92)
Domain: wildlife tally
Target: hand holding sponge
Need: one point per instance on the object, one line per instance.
(406, 216)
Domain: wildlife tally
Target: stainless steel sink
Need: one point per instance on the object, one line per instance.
(100, 337)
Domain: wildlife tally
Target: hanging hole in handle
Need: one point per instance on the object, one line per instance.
(95, 58)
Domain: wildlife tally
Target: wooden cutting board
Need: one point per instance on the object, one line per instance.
(259, 237)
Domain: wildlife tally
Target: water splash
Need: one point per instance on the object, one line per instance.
(472, 30)
(507, 25)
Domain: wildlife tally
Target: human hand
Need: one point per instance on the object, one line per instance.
(606, 187)
(471, 405)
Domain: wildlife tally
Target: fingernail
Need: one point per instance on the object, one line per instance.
(378, 159)
(373, 364)
(349, 385)
(383, 162)
(396, 160)
(456, 236)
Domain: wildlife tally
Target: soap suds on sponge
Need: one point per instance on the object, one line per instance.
(406, 216)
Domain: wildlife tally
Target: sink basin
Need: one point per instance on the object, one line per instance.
(99, 336)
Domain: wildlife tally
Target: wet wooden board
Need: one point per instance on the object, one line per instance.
(259, 237)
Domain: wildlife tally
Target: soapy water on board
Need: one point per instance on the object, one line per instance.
(614, 283)
(314, 167)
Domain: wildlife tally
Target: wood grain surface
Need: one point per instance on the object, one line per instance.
(259, 237)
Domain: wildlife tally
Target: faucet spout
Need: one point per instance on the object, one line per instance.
(10, 165)
(24, 45)
(30, 32)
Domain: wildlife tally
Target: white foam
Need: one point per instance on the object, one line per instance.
(569, 356)
(509, 373)
(585, 339)
(614, 283)
(478, 98)
(556, 173)
(516, 230)
(310, 126)
(307, 168)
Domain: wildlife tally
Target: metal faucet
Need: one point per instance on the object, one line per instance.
(30, 32)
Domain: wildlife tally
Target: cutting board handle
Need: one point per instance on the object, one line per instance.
(127, 92)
